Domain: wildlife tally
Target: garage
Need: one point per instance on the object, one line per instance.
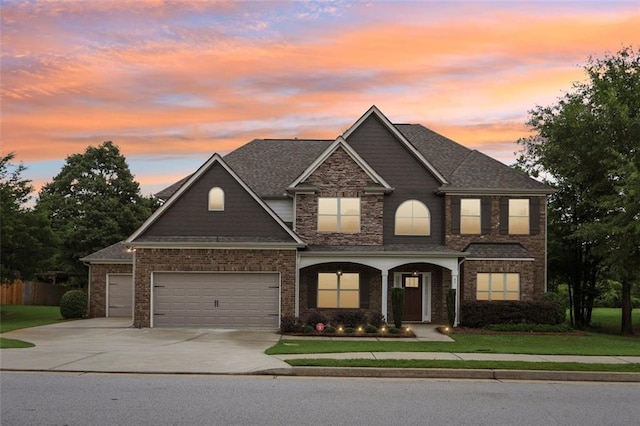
(218, 300)
(120, 295)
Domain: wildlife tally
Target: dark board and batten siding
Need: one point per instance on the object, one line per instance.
(404, 172)
(242, 215)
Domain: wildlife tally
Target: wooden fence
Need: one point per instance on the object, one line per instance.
(31, 293)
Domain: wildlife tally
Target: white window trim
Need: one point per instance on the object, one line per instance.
(216, 191)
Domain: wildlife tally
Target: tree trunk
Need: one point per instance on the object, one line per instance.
(626, 323)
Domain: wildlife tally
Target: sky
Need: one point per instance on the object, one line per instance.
(172, 82)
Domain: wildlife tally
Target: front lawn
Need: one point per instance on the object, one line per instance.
(560, 344)
(15, 317)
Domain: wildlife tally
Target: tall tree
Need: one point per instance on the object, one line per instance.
(26, 239)
(93, 202)
(588, 145)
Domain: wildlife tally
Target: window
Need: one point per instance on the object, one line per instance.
(518, 216)
(216, 199)
(470, 216)
(498, 286)
(339, 215)
(413, 218)
(338, 290)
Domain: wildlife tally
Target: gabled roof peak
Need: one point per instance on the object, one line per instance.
(340, 142)
(398, 135)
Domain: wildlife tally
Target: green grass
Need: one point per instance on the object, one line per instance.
(561, 344)
(607, 320)
(480, 365)
(15, 317)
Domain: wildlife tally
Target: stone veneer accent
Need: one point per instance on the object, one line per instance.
(98, 286)
(148, 260)
(532, 273)
(339, 176)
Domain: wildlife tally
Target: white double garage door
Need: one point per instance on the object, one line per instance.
(216, 300)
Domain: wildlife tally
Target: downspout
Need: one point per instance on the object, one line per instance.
(457, 320)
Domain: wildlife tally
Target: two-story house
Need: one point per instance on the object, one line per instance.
(290, 227)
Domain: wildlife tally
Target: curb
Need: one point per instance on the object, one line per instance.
(453, 373)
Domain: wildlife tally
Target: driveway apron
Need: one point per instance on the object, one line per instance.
(111, 345)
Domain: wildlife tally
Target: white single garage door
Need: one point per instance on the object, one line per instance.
(120, 298)
(224, 300)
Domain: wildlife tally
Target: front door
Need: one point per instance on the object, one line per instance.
(412, 297)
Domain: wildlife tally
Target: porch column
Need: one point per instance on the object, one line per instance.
(385, 285)
(454, 285)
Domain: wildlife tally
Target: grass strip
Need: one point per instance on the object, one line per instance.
(480, 365)
(14, 344)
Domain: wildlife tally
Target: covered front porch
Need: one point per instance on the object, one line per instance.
(331, 280)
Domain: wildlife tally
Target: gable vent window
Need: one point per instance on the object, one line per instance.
(413, 218)
(216, 199)
(339, 215)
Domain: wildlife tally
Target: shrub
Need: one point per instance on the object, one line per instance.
(370, 329)
(350, 319)
(394, 330)
(526, 327)
(308, 329)
(451, 306)
(349, 330)
(376, 319)
(73, 304)
(561, 303)
(316, 317)
(290, 324)
(330, 330)
(397, 304)
(482, 313)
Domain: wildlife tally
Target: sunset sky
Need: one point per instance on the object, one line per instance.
(173, 82)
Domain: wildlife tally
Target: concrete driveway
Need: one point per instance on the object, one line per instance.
(111, 345)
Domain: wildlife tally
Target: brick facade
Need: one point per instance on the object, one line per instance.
(98, 286)
(532, 273)
(149, 260)
(340, 176)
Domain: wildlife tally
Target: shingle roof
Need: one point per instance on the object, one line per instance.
(115, 253)
(497, 251)
(466, 169)
(268, 166)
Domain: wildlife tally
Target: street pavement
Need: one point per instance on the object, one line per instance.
(111, 345)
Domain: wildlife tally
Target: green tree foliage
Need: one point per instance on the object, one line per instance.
(26, 238)
(588, 146)
(93, 202)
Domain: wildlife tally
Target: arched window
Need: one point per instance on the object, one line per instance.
(413, 218)
(216, 199)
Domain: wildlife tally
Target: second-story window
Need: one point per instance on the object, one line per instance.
(339, 214)
(470, 216)
(413, 218)
(518, 216)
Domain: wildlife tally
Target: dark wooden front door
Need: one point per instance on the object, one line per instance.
(412, 297)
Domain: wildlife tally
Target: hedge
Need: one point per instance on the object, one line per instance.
(482, 313)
